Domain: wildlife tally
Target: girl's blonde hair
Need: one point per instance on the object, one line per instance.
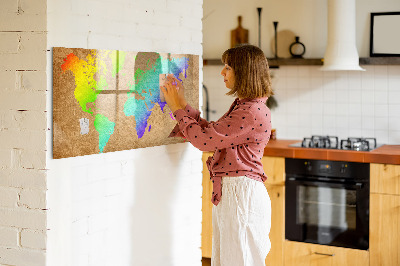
(250, 66)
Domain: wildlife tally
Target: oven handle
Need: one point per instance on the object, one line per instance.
(357, 185)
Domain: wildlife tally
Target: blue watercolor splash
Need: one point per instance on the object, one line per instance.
(145, 89)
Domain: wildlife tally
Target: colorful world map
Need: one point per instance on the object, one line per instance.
(128, 76)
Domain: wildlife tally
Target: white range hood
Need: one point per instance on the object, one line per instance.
(341, 51)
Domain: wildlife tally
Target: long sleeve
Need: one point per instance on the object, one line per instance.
(193, 113)
(231, 130)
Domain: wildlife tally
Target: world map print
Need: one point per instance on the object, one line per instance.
(110, 100)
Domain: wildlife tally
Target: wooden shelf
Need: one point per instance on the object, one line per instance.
(274, 63)
(380, 61)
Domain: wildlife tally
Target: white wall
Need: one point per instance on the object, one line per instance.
(136, 207)
(23, 132)
(305, 18)
(311, 102)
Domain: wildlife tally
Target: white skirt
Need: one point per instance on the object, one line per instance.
(241, 223)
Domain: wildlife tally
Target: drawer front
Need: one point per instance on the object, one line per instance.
(298, 253)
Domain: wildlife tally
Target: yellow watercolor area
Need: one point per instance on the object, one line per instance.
(87, 87)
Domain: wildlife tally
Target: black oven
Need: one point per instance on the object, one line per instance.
(327, 202)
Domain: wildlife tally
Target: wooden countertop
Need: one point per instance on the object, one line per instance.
(389, 154)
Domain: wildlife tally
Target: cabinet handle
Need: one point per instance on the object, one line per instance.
(325, 254)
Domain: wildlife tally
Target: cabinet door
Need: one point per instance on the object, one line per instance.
(305, 254)
(206, 232)
(277, 233)
(274, 168)
(384, 236)
(385, 178)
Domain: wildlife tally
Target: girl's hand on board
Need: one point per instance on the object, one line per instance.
(173, 91)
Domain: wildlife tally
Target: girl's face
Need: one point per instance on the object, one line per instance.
(229, 76)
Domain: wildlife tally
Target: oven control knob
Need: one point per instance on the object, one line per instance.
(343, 168)
(308, 166)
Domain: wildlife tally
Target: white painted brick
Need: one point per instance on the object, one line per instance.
(11, 256)
(23, 22)
(23, 100)
(29, 61)
(23, 178)
(15, 158)
(189, 22)
(8, 197)
(114, 186)
(103, 41)
(33, 80)
(33, 159)
(33, 239)
(9, 42)
(9, 237)
(168, 19)
(197, 10)
(7, 80)
(33, 199)
(33, 42)
(33, 7)
(31, 53)
(79, 228)
(153, 32)
(23, 218)
(8, 6)
(23, 139)
(164, 46)
(179, 7)
(105, 12)
(149, 6)
(98, 222)
(5, 158)
(196, 37)
(34, 120)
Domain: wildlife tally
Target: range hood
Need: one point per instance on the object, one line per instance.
(341, 51)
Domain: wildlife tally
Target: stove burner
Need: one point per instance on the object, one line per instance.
(332, 142)
(328, 142)
(358, 144)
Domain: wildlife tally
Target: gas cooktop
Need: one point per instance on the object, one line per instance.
(332, 142)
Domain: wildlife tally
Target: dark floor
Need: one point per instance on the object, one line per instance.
(206, 261)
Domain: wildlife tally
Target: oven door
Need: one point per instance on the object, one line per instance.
(327, 213)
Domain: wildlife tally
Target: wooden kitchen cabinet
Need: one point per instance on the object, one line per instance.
(385, 178)
(384, 236)
(306, 254)
(274, 168)
(277, 233)
(206, 225)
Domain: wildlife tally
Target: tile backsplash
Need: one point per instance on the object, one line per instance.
(314, 102)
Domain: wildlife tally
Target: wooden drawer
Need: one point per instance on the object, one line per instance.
(305, 254)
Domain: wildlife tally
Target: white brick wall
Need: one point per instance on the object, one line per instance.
(23, 132)
(136, 207)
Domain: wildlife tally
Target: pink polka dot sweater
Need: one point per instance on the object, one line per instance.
(238, 139)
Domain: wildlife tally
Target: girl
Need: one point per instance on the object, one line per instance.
(242, 208)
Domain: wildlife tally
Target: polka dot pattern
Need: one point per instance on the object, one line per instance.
(238, 139)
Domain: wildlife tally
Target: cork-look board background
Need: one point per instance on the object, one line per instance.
(109, 100)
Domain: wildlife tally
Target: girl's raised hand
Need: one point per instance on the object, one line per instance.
(171, 93)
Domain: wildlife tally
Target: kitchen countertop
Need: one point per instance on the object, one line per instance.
(389, 154)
